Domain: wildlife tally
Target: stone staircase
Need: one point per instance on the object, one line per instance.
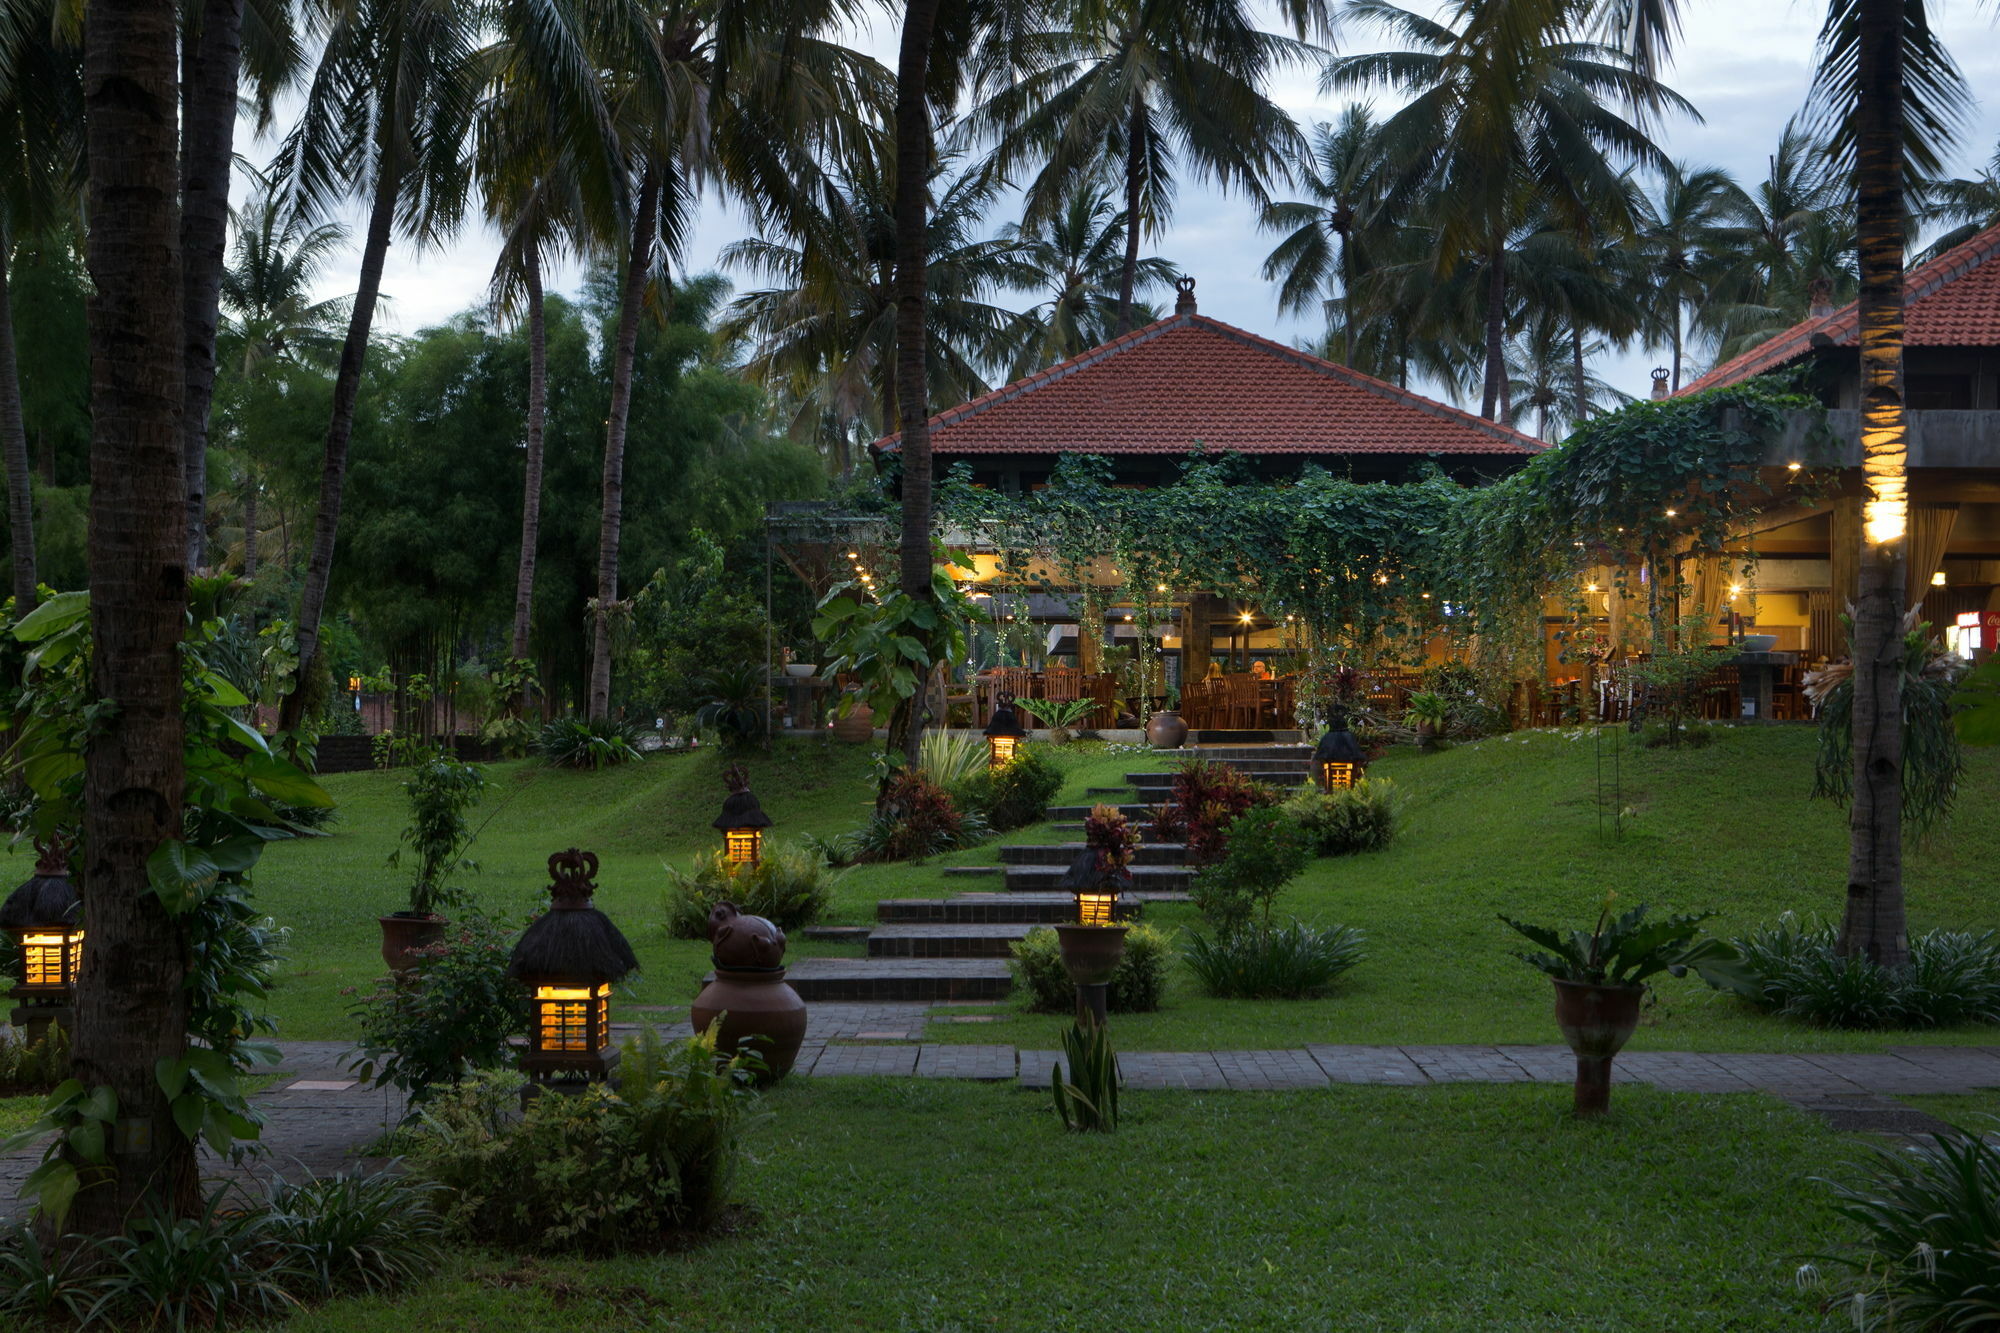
(956, 948)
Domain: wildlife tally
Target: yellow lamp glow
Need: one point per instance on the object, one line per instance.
(1791, 467)
(1937, 579)
(742, 846)
(1735, 590)
(572, 1020)
(354, 684)
(50, 956)
(1000, 750)
(1336, 775)
(1094, 907)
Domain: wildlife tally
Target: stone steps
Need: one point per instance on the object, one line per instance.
(862, 980)
(1062, 853)
(973, 872)
(947, 939)
(1160, 784)
(1044, 879)
(1076, 812)
(1037, 909)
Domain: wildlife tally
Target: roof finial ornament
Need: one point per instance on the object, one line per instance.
(1819, 297)
(1184, 303)
(1660, 389)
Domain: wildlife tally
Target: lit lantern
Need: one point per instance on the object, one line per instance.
(568, 958)
(1003, 734)
(742, 821)
(1338, 758)
(1093, 947)
(43, 916)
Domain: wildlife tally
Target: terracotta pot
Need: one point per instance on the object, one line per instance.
(1596, 1021)
(1091, 954)
(857, 728)
(758, 1007)
(1166, 730)
(405, 932)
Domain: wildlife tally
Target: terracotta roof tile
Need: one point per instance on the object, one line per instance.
(1951, 301)
(1188, 381)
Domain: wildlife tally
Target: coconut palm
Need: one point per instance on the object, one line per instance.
(1072, 259)
(1587, 287)
(1136, 90)
(276, 261)
(387, 116)
(1966, 205)
(1683, 240)
(1547, 361)
(823, 333)
(1506, 118)
(1330, 237)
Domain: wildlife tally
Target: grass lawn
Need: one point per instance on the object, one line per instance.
(918, 1205)
(17, 1113)
(1503, 825)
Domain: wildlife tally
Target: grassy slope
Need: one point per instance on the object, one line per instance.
(1504, 825)
(1360, 1208)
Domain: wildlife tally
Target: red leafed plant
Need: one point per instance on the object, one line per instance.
(1108, 833)
(1207, 798)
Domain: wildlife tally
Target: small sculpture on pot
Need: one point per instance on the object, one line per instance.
(757, 1011)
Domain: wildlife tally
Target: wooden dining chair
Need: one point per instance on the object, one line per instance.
(1246, 700)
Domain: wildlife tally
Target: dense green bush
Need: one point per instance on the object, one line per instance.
(1930, 1231)
(1136, 987)
(601, 1170)
(453, 1016)
(36, 1067)
(1952, 980)
(1265, 962)
(1267, 849)
(573, 742)
(917, 820)
(441, 792)
(1013, 796)
(791, 886)
(1361, 818)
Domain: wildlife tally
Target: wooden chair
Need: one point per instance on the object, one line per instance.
(1103, 687)
(1246, 700)
(1194, 704)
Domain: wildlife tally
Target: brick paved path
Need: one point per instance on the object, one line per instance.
(319, 1119)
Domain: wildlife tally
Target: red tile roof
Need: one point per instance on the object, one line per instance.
(1188, 381)
(1951, 301)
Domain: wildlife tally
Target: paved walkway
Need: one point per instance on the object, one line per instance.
(319, 1119)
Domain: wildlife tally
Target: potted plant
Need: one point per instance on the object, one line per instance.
(441, 792)
(1428, 713)
(1600, 978)
(1060, 716)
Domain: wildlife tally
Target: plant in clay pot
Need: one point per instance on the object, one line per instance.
(1428, 714)
(1601, 977)
(441, 792)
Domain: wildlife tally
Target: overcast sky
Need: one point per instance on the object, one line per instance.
(1745, 65)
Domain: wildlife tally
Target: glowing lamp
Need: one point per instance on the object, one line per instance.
(742, 821)
(1093, 947)
(1336, 775)
(1338, 758)
(354, 684)
(1003, 734)
(44, 917)
(568, 958)
(1937, 579)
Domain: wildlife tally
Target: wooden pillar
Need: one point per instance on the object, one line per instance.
(1844, 555)
(1089, 634)
(1197, 632)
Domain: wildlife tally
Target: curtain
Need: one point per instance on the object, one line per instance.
(1930, 533)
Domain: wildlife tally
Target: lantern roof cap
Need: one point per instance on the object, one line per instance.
(740, 809)
(49, 896)
(1005, 723)
(1084, 875)
(572, 938)
(1338, 746)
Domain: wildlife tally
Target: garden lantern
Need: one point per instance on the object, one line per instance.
(1338, 758)
(1003, 734)
(742, 821)
(568, 958)
(43, 916)
(1094, 945)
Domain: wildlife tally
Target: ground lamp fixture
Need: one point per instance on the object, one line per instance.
(568, 958)
(44, 916)
(1003, 734)
(1093, 945)
(742, 821)
(1337, 759)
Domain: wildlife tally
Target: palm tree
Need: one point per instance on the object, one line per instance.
(1131, 89)
(1683, 238)
(276, 261)
(1073, 258)
(387, 115)
(131, 1007)
(1507, 117)
(1340, 232)
(41, 186)
(1547, 361)
(1967, 205)
(824, 333)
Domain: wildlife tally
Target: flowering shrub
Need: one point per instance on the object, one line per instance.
(1206, 799)
(1109, 834)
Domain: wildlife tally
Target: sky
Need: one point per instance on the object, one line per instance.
(1745, 64)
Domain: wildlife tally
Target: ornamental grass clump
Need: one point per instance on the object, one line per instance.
(573, 742)
(1136, 987)
(1792, 969)
(1294, 961)
(789, 885)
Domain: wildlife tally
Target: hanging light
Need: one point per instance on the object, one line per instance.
(1003, 733)
(1937, 579)
(44, 917)
(742, 821)
(568, 958)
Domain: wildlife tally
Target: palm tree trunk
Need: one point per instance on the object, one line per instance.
(1579, 394)
(531, 484)
(14, 441)
(913, 152)
(131, 1010)
(208, 119)
(1676, 325)
(1496, 331)
(638, 265)
(1135, 165)
(249, 524)
(1874, 926)
(339, 434)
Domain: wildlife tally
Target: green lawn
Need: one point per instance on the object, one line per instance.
(1504, 825)
(917, 1205)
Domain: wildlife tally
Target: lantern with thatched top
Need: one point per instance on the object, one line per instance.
(1338, 759)
(1003, 734)
(742, 821)
(568, 958)
(44, 916)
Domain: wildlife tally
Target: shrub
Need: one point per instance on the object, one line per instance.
(1953, 979)
(790, 886)
(1136, 987)
(1266, 851)
(1676, 736)
(354, 1234)
(454, 1015)
(917, 820)
(948, 758)
(1206, 798)
(1273, 962)
(1929, 1234)
(1361, 818)
(440, 791)
(36, 1067)
(601, 1170)
(573, 742)
(1013, 796)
